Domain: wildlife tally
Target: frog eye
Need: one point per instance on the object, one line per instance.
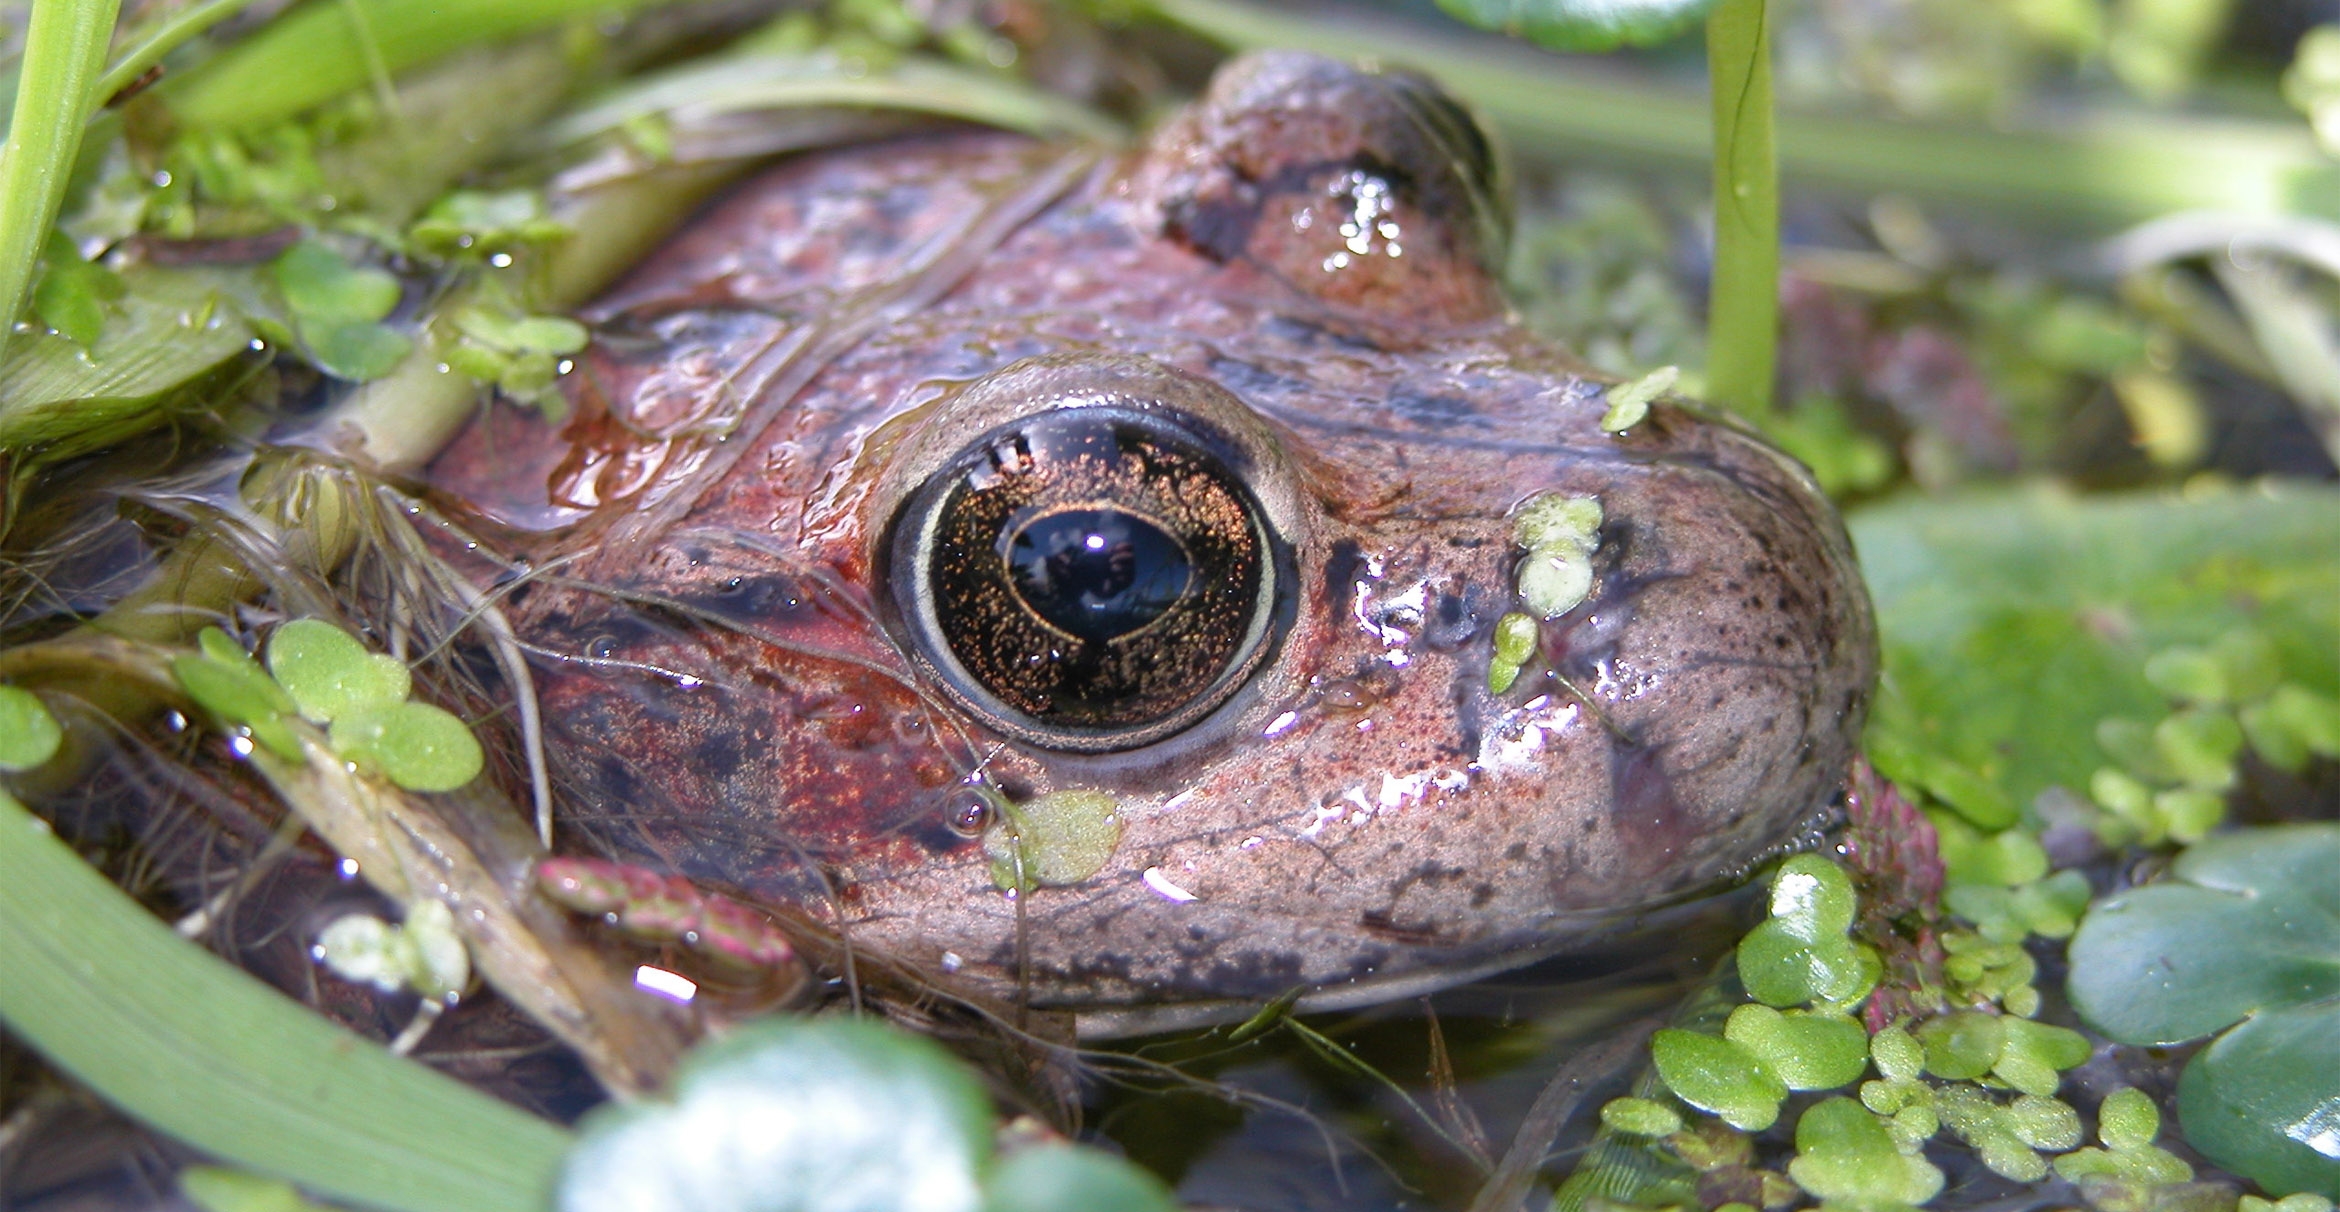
(1090, 579)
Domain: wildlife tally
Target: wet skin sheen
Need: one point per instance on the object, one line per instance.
(1187, 477)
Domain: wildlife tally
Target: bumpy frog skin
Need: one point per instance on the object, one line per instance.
(749, 681)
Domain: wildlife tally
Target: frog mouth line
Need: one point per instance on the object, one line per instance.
(1574, 934)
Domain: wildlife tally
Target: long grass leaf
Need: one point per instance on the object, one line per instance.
(202, 1051)
(64, 50)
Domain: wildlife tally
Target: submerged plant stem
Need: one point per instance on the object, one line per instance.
(64, 50)
(1743, 309)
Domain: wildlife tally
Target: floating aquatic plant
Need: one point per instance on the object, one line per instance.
(2241, 941)
(322, 673)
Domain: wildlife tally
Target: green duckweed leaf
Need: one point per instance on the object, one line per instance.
(2292, 724)
(330, 673)
(1964, 1045)
(1807, 1051)
(29, 735)
(1065, 1178)
(1582, 25)
(415, 745)
(1629, 402)
(791, 1115)
(1845, 1155)
(1801, 953)
(357, 350)
(2199, 746)
(1898, 1055)
(1061, 838)
(1553, 521)
(2034, 1054)
(337, 308)
(2190, 675)
(224, 680)
(1718, 1075)
(1640, 1117)
(1812, 899)
(319, 285)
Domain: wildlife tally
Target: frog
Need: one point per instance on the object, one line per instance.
(917, 489)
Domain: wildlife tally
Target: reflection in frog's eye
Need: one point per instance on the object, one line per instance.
(1089, 578)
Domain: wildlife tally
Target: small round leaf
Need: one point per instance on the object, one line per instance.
(29, 735)
(415, 745)
(1714, 1074)
(329, 673)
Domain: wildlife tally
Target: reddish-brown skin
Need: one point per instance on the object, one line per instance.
(1363, 816)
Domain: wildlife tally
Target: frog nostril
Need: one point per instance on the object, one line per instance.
(1107, 585)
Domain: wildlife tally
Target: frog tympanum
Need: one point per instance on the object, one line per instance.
(951, 472)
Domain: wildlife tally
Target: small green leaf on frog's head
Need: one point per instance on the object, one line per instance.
(329, 673)
(29, 735)
(1556, 521)
(415, 745)
(1060, 838)
(1582, 25)
(1629, 402)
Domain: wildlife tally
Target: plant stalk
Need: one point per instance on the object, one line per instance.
(64, 52)
(1743, 302)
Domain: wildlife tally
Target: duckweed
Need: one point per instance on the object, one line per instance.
(337, 311)
(1560, 533)
(424, 953)
(2127, 1123)
(1515, 645)
(1059, 838)
(321, 673)
(329, 673)
(1801, 953)
(29, 735)
(1845, 1155)
(1629, 402)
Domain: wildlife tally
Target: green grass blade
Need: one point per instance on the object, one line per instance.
(1743, 312)
(202, 1051)
(322, 50)
(64, 49)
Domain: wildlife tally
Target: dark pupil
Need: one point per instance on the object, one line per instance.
(1097, 573)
